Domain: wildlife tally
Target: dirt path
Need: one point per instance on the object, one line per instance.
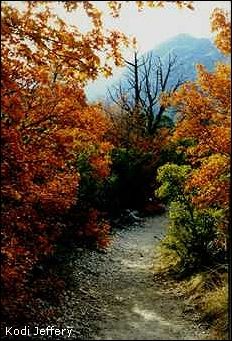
(113, 295)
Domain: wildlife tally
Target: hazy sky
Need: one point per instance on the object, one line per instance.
(151, 26)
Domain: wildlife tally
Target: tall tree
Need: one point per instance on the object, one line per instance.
(204, 120)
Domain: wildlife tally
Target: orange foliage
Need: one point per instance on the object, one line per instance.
(204, 117)
(97, 228)
(205, 114)
(212, 182)
(222, 26)
(116, 6)
(46, 123)
(129, 130)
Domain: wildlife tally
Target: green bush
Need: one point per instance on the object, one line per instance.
(192, 233)
(173, 152)
(91, 189)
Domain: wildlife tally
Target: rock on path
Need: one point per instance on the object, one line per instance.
(113, 295)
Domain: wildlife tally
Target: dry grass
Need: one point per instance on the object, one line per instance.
(205, 291)
(165, 261)
(208, 292)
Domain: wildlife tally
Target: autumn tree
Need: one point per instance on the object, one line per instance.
(199, 192)
(46, 125)
(197, 188)
(205, 118)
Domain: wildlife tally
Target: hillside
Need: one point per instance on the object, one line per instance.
(189, 50)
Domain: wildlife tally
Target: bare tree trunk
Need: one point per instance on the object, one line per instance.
(147, 78)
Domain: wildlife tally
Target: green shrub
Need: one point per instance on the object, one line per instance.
(192, 234)
(174, 152)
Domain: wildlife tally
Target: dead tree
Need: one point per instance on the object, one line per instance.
(146, 79)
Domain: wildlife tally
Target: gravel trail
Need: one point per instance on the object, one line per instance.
(113, 295)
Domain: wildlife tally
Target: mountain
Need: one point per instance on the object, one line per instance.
(189, 51)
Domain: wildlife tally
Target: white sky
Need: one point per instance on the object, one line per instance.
(151, 26)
